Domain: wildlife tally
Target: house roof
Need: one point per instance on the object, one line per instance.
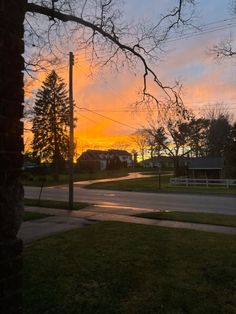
(92, 155)
(97, 151)
(119, 152)
(206, 163)
(95, 154)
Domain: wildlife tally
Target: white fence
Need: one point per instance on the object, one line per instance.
(207, 182)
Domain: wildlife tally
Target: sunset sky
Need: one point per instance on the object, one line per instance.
(111, 94)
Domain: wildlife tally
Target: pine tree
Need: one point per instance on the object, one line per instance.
(51, 122)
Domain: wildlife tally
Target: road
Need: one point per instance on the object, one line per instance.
(119, 202)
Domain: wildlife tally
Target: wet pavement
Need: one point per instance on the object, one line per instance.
(64, 220)
(120, 206)
(152, 201)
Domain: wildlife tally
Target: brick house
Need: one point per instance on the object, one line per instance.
(94, 160)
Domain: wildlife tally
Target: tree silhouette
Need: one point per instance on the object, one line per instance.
(51, 121)
(219, 136)
(225, 49)
(97, 28)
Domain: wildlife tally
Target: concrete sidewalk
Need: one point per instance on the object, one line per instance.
(64, 220)
(44, 227)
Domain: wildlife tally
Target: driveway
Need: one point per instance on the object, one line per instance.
(131, 175)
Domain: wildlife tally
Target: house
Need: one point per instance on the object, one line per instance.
(164, 162)
(93, 160)
(156, 162)
(124, 156)
(206, 167)
(197, 167)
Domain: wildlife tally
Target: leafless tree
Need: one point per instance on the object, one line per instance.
(225, 48)
(172, 134)
(217, 110)
(98, 28)
(140, 138)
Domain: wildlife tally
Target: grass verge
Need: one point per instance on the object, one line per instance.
(31, 179)
(150, 184)
(53, 204)
(204, 218)
(127, 268)
(32, 216)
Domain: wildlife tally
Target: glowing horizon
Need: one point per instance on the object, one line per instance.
(111, 94)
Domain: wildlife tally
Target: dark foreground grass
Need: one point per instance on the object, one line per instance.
(204, 218)
(53, 204)
(32, 216)
(127, 268)
(151, 184)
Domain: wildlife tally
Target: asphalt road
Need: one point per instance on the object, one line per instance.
(121, 202)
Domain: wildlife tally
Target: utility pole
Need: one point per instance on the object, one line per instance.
(159, 175)
(71, 152)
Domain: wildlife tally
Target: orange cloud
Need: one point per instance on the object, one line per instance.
(111, 94)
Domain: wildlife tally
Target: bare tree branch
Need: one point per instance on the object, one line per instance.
(223, 50)
(103, 26)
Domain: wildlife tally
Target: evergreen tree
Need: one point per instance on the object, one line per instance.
(51, 121)
(219, 136)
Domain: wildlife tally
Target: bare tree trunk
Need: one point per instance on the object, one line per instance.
(11, 131)
(151, 151)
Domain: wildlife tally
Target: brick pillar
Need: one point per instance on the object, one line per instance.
(11, 147)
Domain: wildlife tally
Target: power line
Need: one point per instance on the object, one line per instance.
(86, 117)
(188, 35)
(207, 27)
(218, 21)
(147, 110)
(124, 100)
(109, 86)
(212, 101)
(108, 118)
(195, 34)
(116, 111)
(203, 109)
(190, 104)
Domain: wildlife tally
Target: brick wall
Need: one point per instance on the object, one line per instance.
(11, 146)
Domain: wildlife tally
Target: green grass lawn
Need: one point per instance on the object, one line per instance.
(127, 268)
(36, 180)
(205, 218)
(54, 204)
(32, 216)
(146, 184)
(150, 184)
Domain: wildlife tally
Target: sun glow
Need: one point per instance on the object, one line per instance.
(104, 111)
